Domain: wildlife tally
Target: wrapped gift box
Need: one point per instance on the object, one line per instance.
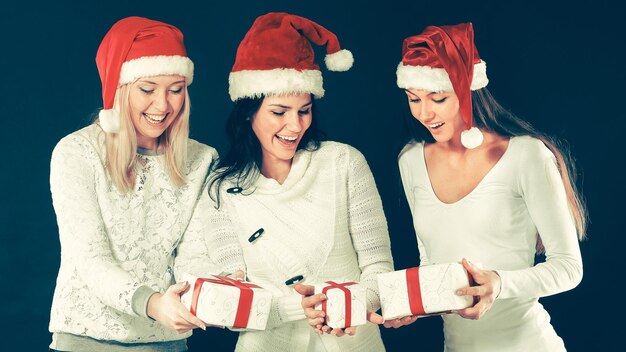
(423, 290)
(345, 304)
(220, 300)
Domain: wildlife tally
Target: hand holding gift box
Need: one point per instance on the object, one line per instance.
(345, 304)
(423, 290)
(220, 300)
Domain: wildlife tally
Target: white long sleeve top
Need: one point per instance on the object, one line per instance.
(116, 249)
(325, 222)
(496, 225)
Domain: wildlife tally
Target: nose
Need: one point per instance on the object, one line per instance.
(426, 113)
(160, 101)
(293, 123)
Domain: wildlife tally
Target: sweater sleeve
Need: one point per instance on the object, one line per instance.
(209, 245)
(368, 226)
(82, 232)
(543, 191)
(407, 168)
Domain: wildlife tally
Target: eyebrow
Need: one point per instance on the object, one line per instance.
(150, 82)
(429, 94)
(289, 107)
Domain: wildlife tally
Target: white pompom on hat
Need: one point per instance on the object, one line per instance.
(276, 58)
(133, 48)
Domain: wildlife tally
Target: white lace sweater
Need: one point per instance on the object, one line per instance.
(116, 248)
(325, 222)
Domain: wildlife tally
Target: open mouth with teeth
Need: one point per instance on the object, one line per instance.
(436, 125)
(288, 140)
(155, 119)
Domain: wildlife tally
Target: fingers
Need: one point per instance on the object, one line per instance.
(350, 331)
(312, 301)
(192, 319)
(396, 323)
(375, 318)
(305, 290)
(237, 275)
(476, 312)
(315, 317)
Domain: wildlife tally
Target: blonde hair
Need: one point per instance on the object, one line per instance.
(121, 147)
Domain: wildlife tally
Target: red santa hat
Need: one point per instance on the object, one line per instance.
(444, 59)
(276, 58)
(137, 47)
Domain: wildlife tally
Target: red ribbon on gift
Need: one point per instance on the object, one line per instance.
(347, 295)
(245, 297)
(414, 291)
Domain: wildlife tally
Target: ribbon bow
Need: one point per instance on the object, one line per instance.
(245, 297)
(347, 295)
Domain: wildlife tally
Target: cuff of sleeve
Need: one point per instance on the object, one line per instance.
(373, 301)
(503, 287)
(290, 308)
(140, 301)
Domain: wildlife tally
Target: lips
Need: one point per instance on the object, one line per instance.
(155, 119)
(435, 126)
(287, 141)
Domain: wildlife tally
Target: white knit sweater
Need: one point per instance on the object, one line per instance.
(325, 222)
(496, 225)
(115, 245)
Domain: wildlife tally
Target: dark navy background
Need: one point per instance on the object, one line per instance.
(560, 66)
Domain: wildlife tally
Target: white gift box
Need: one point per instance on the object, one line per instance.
(223, 301)
(345, 304)
(424, 290)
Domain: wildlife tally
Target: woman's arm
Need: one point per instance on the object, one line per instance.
(543, 191)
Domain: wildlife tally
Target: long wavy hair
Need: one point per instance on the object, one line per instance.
(489, 115)
(242, 162)
(121, 147)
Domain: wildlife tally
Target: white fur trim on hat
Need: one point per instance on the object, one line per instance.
(109, 120)
(150, 66)
(472, 138)
(339, 61)
(280, 81)
(436, 79)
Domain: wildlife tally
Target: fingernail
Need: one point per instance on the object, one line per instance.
(324, 296)
(203, 327)
(459, 293)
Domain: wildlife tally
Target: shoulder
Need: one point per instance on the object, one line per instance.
(530, 150)
(338, 150)
(409, 151)
(196, 149)
(87, 142)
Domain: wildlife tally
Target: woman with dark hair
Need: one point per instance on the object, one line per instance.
(305, 211)
(484, 186)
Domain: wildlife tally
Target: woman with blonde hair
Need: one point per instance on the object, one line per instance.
(124, 191)
(485, 187)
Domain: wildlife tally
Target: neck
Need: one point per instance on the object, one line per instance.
(276, 168)
(147, 143)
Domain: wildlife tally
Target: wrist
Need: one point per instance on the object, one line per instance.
(153, 302)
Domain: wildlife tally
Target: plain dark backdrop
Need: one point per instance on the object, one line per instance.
(556, 65)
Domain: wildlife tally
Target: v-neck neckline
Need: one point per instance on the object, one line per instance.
(478, 185)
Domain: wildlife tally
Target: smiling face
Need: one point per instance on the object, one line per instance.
(280, 123)
(438, 112)
(155, 102)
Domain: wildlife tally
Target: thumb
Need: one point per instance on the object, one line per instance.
(305, 290)
(375, 318)
(470, 267)
(179, 288)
